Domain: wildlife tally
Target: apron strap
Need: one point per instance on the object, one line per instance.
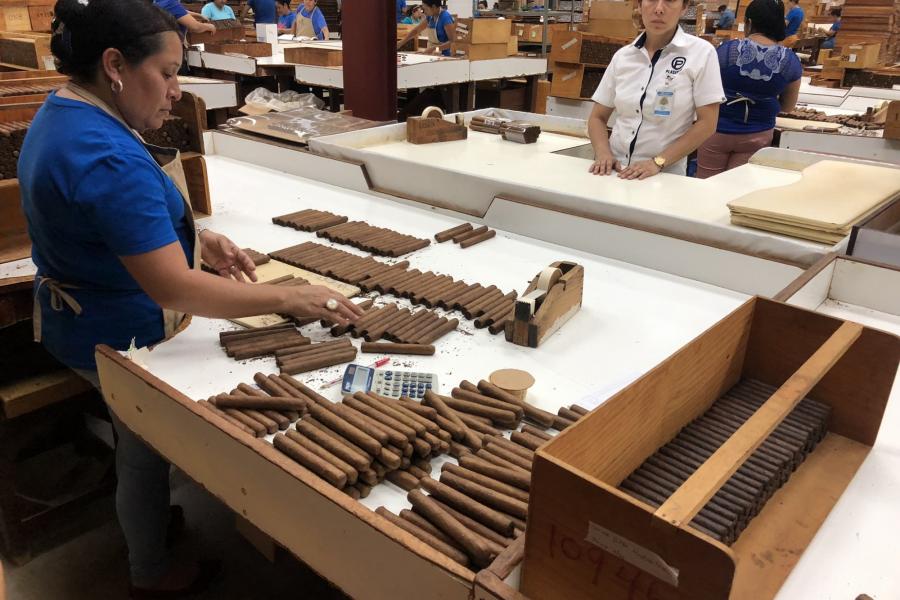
(58, 298)
(747, 103)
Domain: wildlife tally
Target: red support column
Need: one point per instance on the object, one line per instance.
(369, 32)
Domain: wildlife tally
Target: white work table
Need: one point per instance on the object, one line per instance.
(216, 93)
(632, 317)
(468, 175)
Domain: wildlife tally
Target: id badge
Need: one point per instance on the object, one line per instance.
(665, 100)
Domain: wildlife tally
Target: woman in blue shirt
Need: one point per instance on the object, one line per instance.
(310, 21)
(439, 26)
(828, 44)
(263, 11)
(761, 78)
(792, 21)
(114, 243)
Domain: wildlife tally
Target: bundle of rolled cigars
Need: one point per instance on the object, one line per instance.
(487, 304)
(466, 235)
(294, 352)
(474, 510)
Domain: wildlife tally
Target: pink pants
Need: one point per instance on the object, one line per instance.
(724, 151)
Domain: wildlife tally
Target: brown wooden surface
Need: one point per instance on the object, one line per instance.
(560, 304)
(14, 240)
(795, 286)
(192, 109)
(198, 183)
(320, 57)
(254, 49)
(28, 395)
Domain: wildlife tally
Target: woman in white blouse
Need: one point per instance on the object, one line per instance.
(665, 88)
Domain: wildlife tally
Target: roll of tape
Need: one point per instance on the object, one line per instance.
(548, 277)
(433, 112)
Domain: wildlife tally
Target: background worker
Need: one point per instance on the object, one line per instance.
(830, 35)
(414, 15)
(310, 21)
(113, 238)
(401, 9)
(726, 17)
(186, 20)
(263, 11)
(439, 26)
(217, 10)
(792, 21)
(286, 16)
(656, 85)
(761, 79)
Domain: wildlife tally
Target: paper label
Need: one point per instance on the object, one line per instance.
(569, 76)
(49, 63)
(569, 44)
(852, 58)
(267, 33)
(740, 26)
(632, 553)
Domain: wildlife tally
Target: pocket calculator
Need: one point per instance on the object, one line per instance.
(386, 382)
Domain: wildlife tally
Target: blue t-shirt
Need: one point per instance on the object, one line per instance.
(443, 19)
(91, 193)
(317, 18)
(263, 11)
(401, 7)
(759, 74)
(174, 8)
(726, 19)
(214, 13)
(286, 21)
(793, 20)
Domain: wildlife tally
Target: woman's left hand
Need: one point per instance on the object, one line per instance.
(225, 257)
(640, 170)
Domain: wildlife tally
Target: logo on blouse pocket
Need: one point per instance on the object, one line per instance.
(677, 64)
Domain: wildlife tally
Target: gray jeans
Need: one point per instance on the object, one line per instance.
(142, 501)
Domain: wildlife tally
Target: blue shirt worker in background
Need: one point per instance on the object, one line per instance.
(114, 241)
(792, 22)
(828, 44)
(401, 9)
(439, 26)
(726, 18)
(761, 79)
(414, 15)
(263, 11)
(310, 21)
(185, 19)
(286, 16)
(217, 10)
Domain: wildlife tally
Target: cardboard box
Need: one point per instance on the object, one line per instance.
(611, 11)
(483, 31)
(612, 19)
(480, 51)
(512, 47)
(26, 49)
(320, 57)
(574, 80)
(581, 47)
(41, 16)
(587, 539)
(15, 18)
(533, 32)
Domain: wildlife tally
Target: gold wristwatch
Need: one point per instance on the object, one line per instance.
(660, 162)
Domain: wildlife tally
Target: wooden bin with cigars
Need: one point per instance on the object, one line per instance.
(588, 538)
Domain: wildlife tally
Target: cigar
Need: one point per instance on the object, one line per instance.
(364, 425)
(317, 465)
(410, 247)
(525, 453)
(377, 332)
(566, 413)
(485, 495)
(344, 428)
(479, 551)
(468, 234)
(319, 361)
(281, 419)
(357, 459)
(416, 471)
(448, 234)
(260, 403)
(437, 332)
(292, 353)
(403, 479)
(437, 293)
(416, 320)
(438, 403)
(495, 540)
(497, 450)
(423, 523)
(476, 307)
(275, 387)
(497, 521)
(238, 334)
(479, 398)
(496, 313)
(246, 416)
(529, 441)
(507, 474)
(426, 412)
(352, 491)
(423, 535)
(541, 417)
(456, 432)
(472, 296)
(489, 482)
(371, 408)
(392, 411)
(473, 422)
(505, 418)
(417, 283)
(239, 424)
(457, 450)
(365, 324)
(477, 239)
(535, 432)
(450, 299)
(351, 473)
(579, 409)
(439, 283)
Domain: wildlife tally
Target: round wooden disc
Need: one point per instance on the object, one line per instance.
(512, 380)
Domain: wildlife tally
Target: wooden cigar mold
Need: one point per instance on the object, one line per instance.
(551, 299)
(428, 289)
(431, 129)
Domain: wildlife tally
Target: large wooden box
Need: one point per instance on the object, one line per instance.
(483, 31)
(311, 55)
(25, 49)
(255, 49)
(859, 56)
(14, 18)
(587, 539)
(41, 17)
(482, 51)
(221, 35)
(575, 80)
(584, 48)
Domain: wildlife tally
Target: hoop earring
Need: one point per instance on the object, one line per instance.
(117, 86)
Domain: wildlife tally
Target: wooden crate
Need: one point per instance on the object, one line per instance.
(483, 31)
(576, 513)
(892, 121)
(584, 48)
(533, 33)
(859, 56)
(255, 49)
(574, 80)
(14, 241)
(41, 17)
(221, 35)
(14, 18)
(24, 49)
(316, 56)
(481, 51)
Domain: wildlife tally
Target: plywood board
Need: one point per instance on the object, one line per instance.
(275, 269)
